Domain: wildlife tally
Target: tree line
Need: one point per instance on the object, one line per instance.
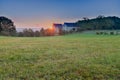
(99, 23)
(30, 33)
(7, 27)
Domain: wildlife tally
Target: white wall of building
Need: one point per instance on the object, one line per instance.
(66, 28)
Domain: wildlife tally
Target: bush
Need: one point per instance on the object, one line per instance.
(97, 33)
(4, 33)
(101, 33)
(111, 33)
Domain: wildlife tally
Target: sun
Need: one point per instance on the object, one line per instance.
(51, 28)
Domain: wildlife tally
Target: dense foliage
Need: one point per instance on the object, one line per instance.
(100, 23)
(7, 27)
(30, 33)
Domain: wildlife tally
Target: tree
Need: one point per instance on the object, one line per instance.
(36, 33)
(20, 34)
(100, 16)
(28, 33)
(85, 18)
(7, 26)
(42, 32)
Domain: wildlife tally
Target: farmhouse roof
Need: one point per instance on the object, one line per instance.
(58, 25)
(70, 24)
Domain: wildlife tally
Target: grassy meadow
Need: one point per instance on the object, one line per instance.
(69, 57)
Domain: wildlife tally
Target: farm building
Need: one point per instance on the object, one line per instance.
(57, 28)
(65, 27)
(70, 27)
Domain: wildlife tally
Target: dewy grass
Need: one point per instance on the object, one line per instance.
(71, 57)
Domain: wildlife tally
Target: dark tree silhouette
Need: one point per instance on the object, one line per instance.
(7, 26)
(42, 32)
(100, 23)
(85, 18)
(28, 33)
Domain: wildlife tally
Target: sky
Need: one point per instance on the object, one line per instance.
(43, 13)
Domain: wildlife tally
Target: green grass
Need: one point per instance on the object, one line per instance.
(69, 57)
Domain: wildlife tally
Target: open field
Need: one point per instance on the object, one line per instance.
(70, 57)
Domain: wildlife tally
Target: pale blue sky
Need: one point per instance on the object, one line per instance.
(42, 13)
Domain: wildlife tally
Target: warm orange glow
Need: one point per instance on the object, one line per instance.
(36, 22)
(51, 28)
